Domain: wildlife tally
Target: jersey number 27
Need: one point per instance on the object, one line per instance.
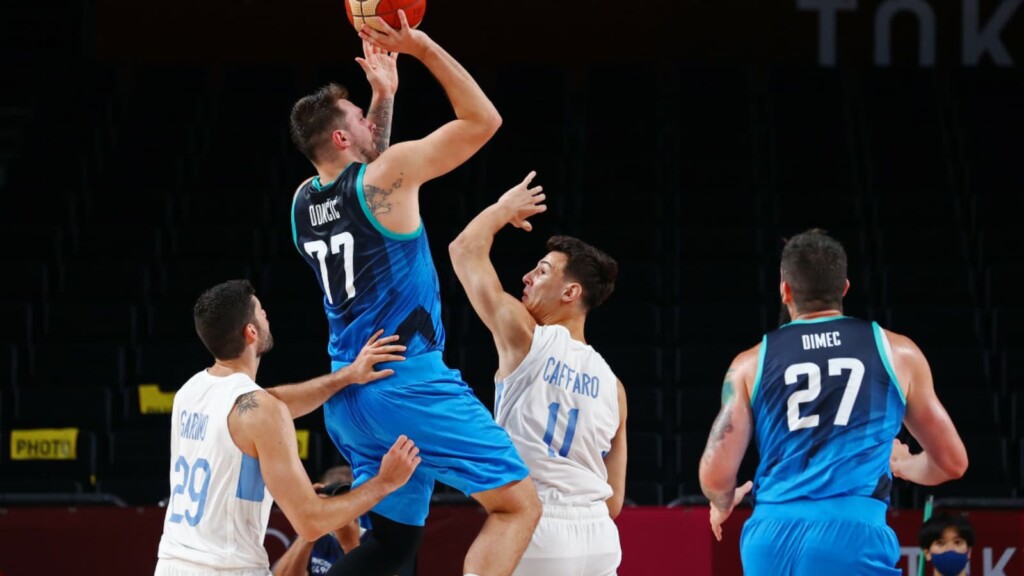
(812, 371)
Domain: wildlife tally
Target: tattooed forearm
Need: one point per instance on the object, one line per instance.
(721, 500)
(377, 199)
(246, 402)
(380, 114)
(721, 427)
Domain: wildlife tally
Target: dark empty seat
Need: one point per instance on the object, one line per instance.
(88, 408)
(646, 409)
(32, 243)
(71, 321)
(79, 364)
(646, 456)
(212, 243)
(627, 323)
(26, 281)
(936, 327)
(637, 366)
(170, 364)
(138, 453)
(936, 283)
(104, 280)
(186, 280)
(16, 322)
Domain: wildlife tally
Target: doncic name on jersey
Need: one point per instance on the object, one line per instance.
(561, 375)
(324, 212)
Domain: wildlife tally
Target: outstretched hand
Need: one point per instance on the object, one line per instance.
(718, 517)
(405, 39)
(375, 351)
(381, 68)
(522, 202)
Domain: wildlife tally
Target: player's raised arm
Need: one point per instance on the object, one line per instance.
(728, 441)
(261, 427)
(381, 70)
(508, 320)
(405, 166)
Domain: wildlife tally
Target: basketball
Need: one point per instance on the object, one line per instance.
(362, 12)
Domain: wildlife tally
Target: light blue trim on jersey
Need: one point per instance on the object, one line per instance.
(760, 368)
(315, 183)
(250, 480)
(880, 343)
(373, 219)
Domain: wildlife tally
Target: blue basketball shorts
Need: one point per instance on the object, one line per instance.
(846, 535)
(460, 443)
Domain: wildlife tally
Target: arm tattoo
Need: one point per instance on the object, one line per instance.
(721, 427)
(380, 115)
(246, 402)
(723, 423)
(377, 198)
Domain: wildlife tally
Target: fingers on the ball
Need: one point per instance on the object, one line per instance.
(403, 19)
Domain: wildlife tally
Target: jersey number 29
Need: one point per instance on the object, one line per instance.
(812, 371)
(343, 242)
(196, 487)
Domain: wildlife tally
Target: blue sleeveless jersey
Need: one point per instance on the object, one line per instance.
(371, 277)
(826, 407)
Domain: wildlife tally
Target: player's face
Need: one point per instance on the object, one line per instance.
(950, 541)
(263, 329)
(359, 130)
(543, 286)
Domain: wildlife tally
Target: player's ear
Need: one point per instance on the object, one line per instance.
(340, 141)
(250, 333)
(572, 292)
(785, 291)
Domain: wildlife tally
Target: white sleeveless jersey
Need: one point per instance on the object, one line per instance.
(219, 508)
(560, 406)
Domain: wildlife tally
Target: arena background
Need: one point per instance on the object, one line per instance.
(144, 156)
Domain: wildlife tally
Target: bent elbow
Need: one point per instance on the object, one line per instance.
(456, 252)
(957, 467)
(309, 531)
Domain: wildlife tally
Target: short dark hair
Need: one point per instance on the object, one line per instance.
(814, 266)
(933, 528)
(314, 117)
(221, 314)
(593, 269)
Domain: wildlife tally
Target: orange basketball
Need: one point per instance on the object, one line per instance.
(362, 12)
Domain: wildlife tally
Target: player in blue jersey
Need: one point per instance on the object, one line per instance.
(357, 224)
(825, 396)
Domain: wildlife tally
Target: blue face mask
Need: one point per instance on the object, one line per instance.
(949, 563)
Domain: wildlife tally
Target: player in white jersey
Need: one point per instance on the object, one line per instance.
(234, 450)
(555, 395)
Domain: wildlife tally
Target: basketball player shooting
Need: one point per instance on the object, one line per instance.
(357, 224)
